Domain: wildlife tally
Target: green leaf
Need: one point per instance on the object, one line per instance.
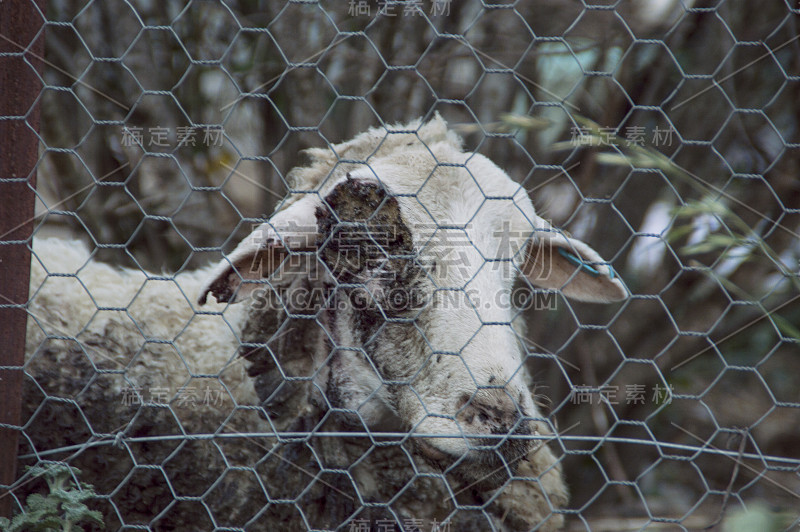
(786, 328)
(615, 159)
(38, 502)
(59, 510)
(76, 512)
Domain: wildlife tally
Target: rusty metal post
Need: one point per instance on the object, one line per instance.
(21, 36)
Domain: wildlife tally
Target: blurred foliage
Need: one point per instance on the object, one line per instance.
(757, 517)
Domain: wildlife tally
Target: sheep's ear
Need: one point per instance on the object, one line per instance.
(557, 262)
(274, 250)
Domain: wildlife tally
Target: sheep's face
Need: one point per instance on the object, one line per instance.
(420, 249)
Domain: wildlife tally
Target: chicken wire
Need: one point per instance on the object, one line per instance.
(665, 133)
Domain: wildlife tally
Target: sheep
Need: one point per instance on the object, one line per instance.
(98, 334)
(113, 352)
(381, 212)
(390, 336)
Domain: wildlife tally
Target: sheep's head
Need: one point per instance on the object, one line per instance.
(418, 247)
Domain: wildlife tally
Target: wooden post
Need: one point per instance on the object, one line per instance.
(21, 33)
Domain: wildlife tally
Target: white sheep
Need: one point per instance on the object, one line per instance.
(420, 341)
(151, 318)
(391, 334)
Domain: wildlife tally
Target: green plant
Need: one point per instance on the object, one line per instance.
(758, 516)
(62, 510)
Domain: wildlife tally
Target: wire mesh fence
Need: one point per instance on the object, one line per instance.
(663, 133)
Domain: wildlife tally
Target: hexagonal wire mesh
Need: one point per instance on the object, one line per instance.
(665, 133)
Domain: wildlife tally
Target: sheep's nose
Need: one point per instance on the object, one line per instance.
(489, 411)
(492, 411)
